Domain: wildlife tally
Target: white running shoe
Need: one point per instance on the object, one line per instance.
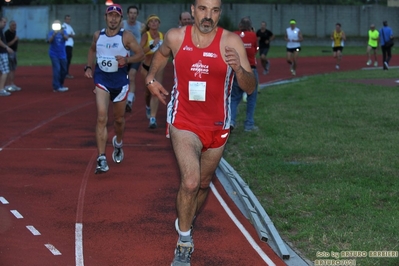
(184, 248)
(244, 97)
(117, 155)
(10, 89)
(337, 67)
(3, 92)
(153, 123)
(16, 87)
(375, 63)
(102, 165)
(62, 89)
(368, 62)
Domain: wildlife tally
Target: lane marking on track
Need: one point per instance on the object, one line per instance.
(53, 249)
(79, 244)
(16, 214)
(79, 259)
(246, 234)
(33, 230)
(3, 200)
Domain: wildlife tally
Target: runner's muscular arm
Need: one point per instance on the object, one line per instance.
(92, 55)
(131, 43)
(236, 57)
(159, 61)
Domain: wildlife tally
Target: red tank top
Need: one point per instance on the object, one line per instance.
(250, 43)
(201, 93)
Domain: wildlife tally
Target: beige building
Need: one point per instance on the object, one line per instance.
(393, 3)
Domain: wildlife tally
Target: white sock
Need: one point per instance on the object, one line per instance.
(187, 233)
(118, 145)
(130, 97)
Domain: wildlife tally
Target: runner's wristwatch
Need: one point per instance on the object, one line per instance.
(87, 67)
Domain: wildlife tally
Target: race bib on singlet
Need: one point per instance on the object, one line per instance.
(107, 63)
(196, 91)
(156, 47)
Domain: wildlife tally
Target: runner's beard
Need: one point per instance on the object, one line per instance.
(207, 28)
(113, 26)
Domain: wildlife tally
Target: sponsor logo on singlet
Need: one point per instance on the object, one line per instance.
(199, 69)
(208, 54)
(111, 45)
(187, 48)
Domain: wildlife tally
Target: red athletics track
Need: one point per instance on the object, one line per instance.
(124, 217)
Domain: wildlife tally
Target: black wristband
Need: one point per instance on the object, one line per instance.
(152, 46)
(87, 67)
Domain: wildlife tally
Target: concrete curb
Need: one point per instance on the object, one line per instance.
(249, 205)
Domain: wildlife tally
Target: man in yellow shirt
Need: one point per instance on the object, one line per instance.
(338, 39)
(372, 44)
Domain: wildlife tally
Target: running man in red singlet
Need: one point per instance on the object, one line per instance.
(205, 59)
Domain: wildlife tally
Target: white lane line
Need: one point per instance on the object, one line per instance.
(246, 234)
(79, 258)
(3, 200)
(33, 230)
(79, 244)
(16, 214)
(53, 249)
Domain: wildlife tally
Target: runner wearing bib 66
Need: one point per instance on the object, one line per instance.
(110, 51)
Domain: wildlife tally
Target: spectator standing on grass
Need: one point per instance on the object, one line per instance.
(57, 38)
(338, 38)
(386, 42)
(293, 37)
(250, 43)
(372, 44)
(151, 40)
(205, 60)
(4, 51)
(12, 42)
(69, 42)
(111, 80)
(264, 36)
(135, 26)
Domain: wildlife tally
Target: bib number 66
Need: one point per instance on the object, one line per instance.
(106, 63)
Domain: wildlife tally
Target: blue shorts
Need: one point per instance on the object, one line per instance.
(116, 94)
